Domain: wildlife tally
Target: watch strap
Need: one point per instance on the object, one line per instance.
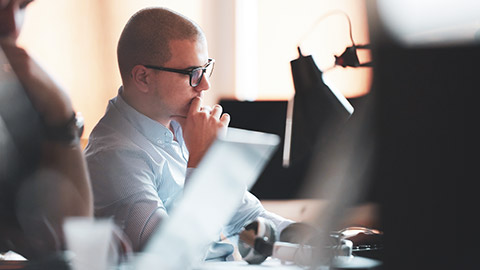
(68, 132)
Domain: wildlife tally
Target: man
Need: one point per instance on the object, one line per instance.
(47, 180)
(155, 132)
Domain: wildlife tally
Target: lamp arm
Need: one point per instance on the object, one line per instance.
(323, 17)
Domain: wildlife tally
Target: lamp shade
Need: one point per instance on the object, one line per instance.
(318, 111)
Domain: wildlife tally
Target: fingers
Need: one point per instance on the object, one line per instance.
(206, 109)
(217, 111)
(225, 119)
(201, 127)
(195, 105)
(217, 114)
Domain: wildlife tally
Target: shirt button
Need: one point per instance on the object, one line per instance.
(168, 137)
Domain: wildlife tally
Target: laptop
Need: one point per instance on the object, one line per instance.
(214, 192)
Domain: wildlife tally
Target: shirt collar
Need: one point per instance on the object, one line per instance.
(151, 129)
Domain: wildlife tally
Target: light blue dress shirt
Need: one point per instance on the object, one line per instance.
(138, 171)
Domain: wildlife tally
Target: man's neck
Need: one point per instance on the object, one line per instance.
(138, 105)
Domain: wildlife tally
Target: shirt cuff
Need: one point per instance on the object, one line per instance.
(189, 173)
(279, 222)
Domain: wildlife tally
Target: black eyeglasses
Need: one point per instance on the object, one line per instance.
(196, 74)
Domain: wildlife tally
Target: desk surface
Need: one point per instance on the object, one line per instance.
(352, 262)
(309, 210)
(242, 265)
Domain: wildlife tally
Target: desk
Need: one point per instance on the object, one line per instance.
(242, 265)
(229, 265)
(347, 263)
(308, 210)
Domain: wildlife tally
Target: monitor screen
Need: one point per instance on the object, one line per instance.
(318, 114)
(275, 182)
(424, 118)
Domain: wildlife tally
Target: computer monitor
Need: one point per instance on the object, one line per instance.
(275, 182)
(424, 115)
(318, 115)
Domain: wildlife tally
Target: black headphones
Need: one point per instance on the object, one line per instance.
(256, 241)
(298, 243)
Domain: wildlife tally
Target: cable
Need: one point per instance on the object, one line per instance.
(349, 57)
(323, 17)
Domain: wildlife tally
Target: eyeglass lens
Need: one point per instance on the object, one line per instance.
(198, 73)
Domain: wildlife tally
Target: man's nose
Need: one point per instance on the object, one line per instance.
(204, 84)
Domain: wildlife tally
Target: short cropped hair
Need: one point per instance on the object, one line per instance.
(146, 37)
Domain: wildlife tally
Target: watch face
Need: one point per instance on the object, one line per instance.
(79, 123)
(68, 132)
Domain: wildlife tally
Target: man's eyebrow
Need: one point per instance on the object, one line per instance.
(193, 67)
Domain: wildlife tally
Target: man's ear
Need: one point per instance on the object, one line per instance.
(140, 78)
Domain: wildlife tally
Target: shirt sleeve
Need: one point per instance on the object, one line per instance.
(189, 173)
(124, 186)
(249, 210)
(279, 222)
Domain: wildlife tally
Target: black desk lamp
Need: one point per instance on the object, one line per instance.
(349, 58)
(317, 111)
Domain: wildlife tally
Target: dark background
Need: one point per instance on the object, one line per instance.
(276, 182)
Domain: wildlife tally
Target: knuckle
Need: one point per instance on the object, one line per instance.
(204, 114)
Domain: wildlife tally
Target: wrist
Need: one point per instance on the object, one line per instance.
(192, 164)
(68, 132)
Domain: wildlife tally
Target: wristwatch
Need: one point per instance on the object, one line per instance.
(69, 132)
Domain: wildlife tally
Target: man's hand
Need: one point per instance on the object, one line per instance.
(41, 208)
(201, 128)
(47, 97)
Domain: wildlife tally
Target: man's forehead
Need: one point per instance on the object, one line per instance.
(188, 48)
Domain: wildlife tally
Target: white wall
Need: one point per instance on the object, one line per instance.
(253, 42)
